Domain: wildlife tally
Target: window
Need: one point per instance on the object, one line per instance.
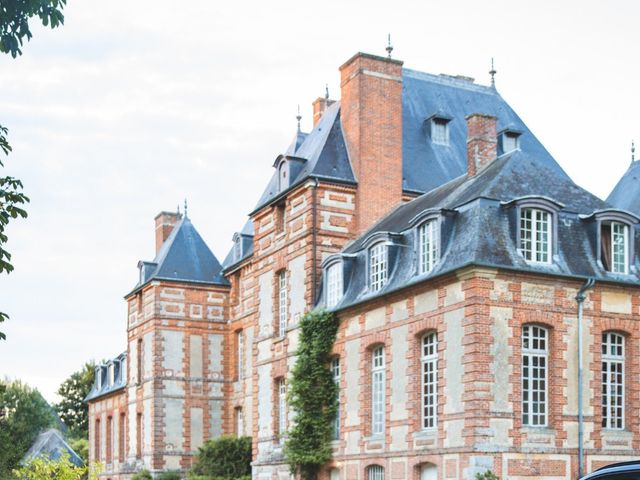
(377, 391)
(535, 235)
(428, 248)
(440, 131)
(375, 472)
(510, 141)
(282, 303)
(282, 409)
(139, 435)
(612, 381)
(335, 372)
(121, 437)
(139, 365)
(280, 217)
(614, 243)
(283, 176)
(96, 440)
(534, 375)
(334, 284)
(239, 422)
(429, 380)
(377, 266)
(240, 354)
(237, 248)
(109, 441)
(112, 374)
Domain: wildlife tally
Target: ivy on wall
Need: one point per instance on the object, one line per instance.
(312, 396)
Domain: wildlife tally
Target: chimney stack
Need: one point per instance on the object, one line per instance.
(165, 221)
(481, 142)
(320, 105)
(371, 114)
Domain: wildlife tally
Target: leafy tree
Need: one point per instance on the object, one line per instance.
(72, 409)
(142, 475)
(14, 28)
(81, 447)
(313, 396)
(61, 469)
(29, 414)
(225, 458)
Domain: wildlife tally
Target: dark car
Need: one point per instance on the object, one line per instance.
(616, 471)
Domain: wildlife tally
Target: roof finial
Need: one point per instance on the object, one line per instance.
(326, 91)
(389, 48)
(299, 117)
(493, 72)
(178, 210)
(633, 151)
(185, 208)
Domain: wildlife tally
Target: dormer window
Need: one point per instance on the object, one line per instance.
(378, 264)
(508, 141)
(112, 374)
(614, 246)
(440, 130)
(333, 281)
(283, 175)
(237, 247)
(428, 245)
(536, 235)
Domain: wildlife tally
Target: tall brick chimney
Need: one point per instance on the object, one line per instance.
(320, 104)
(371, 114)
(481, 142)
(165, 221)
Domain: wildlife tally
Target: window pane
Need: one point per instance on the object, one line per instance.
(377, 266)
(428, 245)
(534, 375)
(375, 472)
(429, 380)
(612, 381)
(535, 235)
(282, 303)
(619, 247)
(377, 391)
(334, 284)
(335, 371)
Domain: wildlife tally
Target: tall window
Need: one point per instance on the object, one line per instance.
(535, 235)
(334, 284)
(428, 247)
(282, 409)
(377, 266)
(239, 422)
(535, 351)
(429, 380)
(377, 391)
(280, 217)
(282, 303)
(121, 437)
(240, 354)
(614, 241)
(375, 472)
(139, 435)
(335, 372)
(440, 131)
(139, 362)
(612, 381)
(109, 440)
(96, 440)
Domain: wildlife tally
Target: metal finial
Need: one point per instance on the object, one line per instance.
(493, 72)
(185, 208)
(299, 117)
(178, 210)
(326, 91)
(389, 48)
(633, 151)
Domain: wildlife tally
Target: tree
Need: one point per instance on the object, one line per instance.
(61, 469)
(28, 415)
(225, 458)
(14, 28)
(72, 409)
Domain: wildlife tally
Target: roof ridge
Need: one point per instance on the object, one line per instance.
(450, 80)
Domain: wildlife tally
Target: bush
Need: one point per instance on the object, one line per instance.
(142, 475)
(488, 475)
(43, 468)
(226, 458)
(169, 476)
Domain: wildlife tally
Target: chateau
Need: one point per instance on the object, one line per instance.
(450, 244)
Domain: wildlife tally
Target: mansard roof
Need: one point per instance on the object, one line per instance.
(101, 384)
(51, 444)
(245, 236)
(626, 194)
(479, 227)
(183, 257)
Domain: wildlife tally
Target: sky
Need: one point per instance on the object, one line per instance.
(132, 107)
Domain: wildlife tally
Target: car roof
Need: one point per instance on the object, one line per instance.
(615, 468)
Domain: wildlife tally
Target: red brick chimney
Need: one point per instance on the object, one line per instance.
(481, 142)
(165, 221)
(320, 104)
(371, 114)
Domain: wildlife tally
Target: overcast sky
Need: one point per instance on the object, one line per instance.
(134, 105)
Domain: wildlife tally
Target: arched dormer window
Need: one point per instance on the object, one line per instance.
(334, 283)
(378, 266)
(615, 239)
(283, 175)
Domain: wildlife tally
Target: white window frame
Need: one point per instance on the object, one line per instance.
(282, 303)
(378, 266)
(378, 391)
(335, 372)
(282, 409)
(240, 353)
(375, 472)
(429, 380)
(535, 373)
(532, 246)
(334, 282)
(510, 139)
(619, 262)
(440, 131)
(613, 381)
(428, 245)
(111, 373)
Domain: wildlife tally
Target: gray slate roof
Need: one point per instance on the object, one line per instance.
(101, 385)
(626, 194)
(51, 444)
(245, 236)
(479, 227)
(184, 257)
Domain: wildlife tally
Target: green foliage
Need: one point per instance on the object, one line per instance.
(71, 409)
(205, 477)
(29, 414)
(168, 476)
(488, 475)
(45, 469)
(142, 475)
(313, 396)
(14, 21)
(81, 447)
(225, 458)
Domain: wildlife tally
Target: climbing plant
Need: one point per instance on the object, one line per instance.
(312, 396)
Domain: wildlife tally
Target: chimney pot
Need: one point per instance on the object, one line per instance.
(165, 221)
(320, 105)
(481, 142)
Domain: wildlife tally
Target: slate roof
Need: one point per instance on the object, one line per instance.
(479, 227)
(51, 444)
(101, 385)
(184, 257)
(626, 194)
(246, 237)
